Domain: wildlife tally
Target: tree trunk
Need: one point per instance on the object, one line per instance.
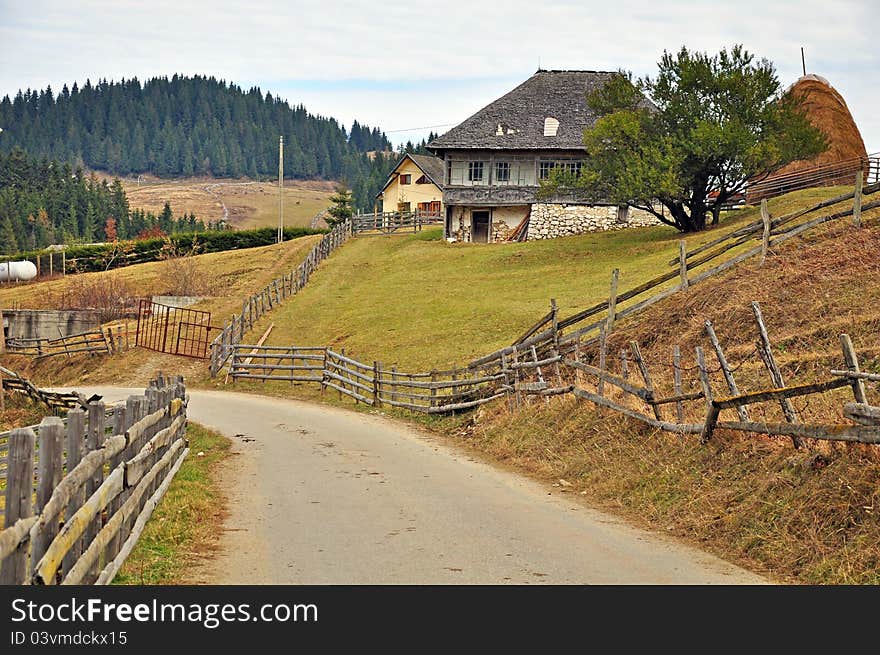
(716, 213)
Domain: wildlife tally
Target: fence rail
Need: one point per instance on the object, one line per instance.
(92, 342)
(272, 294)
(98, 479)
(393, 222)
(839, 172)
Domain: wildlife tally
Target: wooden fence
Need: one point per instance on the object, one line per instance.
(561, 333)
(393, 222)
(102, 341)
(839, 172)
(99, 475)
(274, 293)
(522, 373)
(54, 400)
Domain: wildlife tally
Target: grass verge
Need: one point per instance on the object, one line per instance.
(185, 524)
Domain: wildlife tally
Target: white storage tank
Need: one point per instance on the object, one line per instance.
(17, 271)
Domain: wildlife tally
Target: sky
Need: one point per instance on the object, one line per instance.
(412, 66)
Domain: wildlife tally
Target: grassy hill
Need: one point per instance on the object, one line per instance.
(248, 204)
(422, 303)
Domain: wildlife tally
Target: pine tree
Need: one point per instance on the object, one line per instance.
(8, 240)
(341, 210)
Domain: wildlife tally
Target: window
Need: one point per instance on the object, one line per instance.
(551, 125)
(571, 166)
(406, 178)
(432, 207)
(502, 171)
(475, 171)
(423, 180)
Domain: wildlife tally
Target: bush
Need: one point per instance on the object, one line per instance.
(104, 256)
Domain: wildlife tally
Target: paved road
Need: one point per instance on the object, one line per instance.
(320, 495)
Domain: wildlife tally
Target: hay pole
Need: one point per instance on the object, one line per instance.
(646, 376)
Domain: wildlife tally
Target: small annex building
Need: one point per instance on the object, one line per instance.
(415, 184)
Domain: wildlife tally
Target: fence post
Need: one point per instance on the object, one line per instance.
(852, 363)
(765, 219)
(433, 389)
(554, 312)
(766, 353)
(649, 385)
(603, 352)
(377, 400)
(94, 439)
(676, 382)
(76, 423)
(742, 410)
(682, 263)
(857, 199)
(48, 476)
(19, 500)
(711, 410)
(612, 301)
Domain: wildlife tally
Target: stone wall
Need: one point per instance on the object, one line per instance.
(551, 220)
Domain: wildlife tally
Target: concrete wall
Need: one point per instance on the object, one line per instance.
(396, 193)
(550, 220)
(45, 323)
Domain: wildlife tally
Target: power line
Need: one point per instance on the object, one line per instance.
(413, 129)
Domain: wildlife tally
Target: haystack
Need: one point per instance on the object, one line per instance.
(827, 110)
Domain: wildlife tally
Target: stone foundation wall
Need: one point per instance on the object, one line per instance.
(550, 220)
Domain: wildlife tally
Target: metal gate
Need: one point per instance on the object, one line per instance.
(173, 330)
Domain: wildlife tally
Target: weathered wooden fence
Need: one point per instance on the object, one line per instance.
(393, 222)
(839, 172)
(561, 333)
(94, 342)
(54, 400)
(99, 475)
(274, 293)
(522, 373)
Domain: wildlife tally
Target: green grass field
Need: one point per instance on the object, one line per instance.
(421, 303)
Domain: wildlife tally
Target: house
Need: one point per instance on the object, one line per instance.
(415, 184)
(494, 161)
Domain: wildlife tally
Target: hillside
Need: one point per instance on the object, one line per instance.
(242, 204)
(184, 126)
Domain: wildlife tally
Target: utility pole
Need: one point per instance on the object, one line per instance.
(803, 61)
(281, 189)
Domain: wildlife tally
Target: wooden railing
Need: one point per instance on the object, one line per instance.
(839, 172)
(393, 222)
(101, 341)
(98, 478)
(274, 293)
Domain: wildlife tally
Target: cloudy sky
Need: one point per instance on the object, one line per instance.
(411, 65)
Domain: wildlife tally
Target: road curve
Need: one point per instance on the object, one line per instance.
(320, 495)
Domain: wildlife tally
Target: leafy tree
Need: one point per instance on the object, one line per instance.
(340, 211)
(714, 123)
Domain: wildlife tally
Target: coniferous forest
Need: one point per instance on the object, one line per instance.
(186, 126)
(43, 202)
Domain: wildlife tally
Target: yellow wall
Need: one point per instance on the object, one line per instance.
(412, 193)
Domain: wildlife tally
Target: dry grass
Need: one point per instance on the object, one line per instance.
(185, 526)
(248, 204)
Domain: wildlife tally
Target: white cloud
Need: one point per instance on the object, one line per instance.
(431, 44)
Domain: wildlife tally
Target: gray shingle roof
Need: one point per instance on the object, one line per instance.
(430, 166)
(521, 113)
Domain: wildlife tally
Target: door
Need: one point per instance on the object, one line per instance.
(480, 227)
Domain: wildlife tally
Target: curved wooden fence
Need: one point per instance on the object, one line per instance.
(99, 475)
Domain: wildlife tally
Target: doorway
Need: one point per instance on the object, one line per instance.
(480, 226)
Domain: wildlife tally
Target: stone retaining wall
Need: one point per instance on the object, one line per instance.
(552, 220)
